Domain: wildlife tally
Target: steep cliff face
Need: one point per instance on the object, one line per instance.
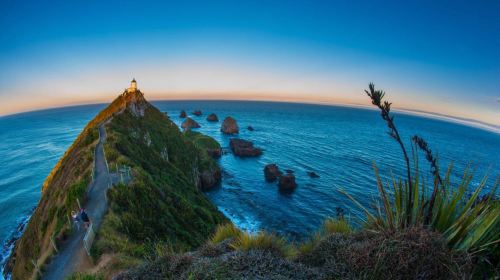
(163, 200)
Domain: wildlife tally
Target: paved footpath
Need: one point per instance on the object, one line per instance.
(72, 256)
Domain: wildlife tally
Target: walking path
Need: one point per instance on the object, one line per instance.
(72, 256)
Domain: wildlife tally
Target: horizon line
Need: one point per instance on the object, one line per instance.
(403, 110)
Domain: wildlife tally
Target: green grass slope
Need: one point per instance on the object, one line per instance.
(162, 202)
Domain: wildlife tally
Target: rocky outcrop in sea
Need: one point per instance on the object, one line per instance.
(271, 172)
(244, 148)
(287, 182)
(230, 126)
(212, 118)
(189, 124)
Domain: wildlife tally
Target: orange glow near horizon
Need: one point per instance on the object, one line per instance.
(19, 105)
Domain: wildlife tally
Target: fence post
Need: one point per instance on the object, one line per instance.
(36, 267)
(69, 222)
(79, 205)
(88, 239)
(53, 243)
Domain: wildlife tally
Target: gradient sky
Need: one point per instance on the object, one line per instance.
(437, 56)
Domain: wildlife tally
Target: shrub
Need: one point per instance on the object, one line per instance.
(225, 231)
(411, 253)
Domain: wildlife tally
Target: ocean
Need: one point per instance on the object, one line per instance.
(340, 144)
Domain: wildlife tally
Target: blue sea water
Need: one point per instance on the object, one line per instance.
(339, 143)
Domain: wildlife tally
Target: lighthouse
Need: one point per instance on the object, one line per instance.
(133, 86)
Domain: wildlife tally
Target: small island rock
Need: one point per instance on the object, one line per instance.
(214, 153)
(183, 114)
(271, 172)
(287, 182)
(244, 148)
(250, 128)
(197, 113)
(189, 123)
(212, 118)
(312, 174)
(229, 126)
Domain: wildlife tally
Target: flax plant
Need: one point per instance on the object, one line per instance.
(466, 221)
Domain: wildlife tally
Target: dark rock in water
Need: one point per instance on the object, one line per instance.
(287, 182)
(210, 178)
(229, 126)
(289, 171)
(250, 128)
(212, 118)
(312, 174)
(215, 153)
(183, 114)
(189, 123)
(197, 113)
(244, 148)
(271, 172)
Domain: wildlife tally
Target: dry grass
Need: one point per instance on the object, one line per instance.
(332, 226)
(225, 231)
(265, 242)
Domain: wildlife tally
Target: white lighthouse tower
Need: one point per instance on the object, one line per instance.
(133, 86)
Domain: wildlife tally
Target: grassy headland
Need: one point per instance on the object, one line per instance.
(162, 203)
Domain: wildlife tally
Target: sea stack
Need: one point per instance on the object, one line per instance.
(271, 172)
(212, 118)
(230, 126)
(287, 182)
(183, 114)
(189, 123)
(312, 174)
(197, 113)
(244, 148)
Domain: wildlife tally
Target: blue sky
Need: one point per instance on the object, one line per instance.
(438, 56)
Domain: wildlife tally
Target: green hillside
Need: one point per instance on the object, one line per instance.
(162, 202)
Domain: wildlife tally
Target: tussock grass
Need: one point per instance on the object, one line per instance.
(85, 276)
(309, 245)
(225, 231)
(331, 226)
(264, 241)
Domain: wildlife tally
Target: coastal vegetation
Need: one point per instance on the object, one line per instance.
(446, 230)
(160, 225)
(163, 203)
(467, 221)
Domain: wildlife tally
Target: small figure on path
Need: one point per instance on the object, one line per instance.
(76, 220)
(85, 218)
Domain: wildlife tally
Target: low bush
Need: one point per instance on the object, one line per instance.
(411, 253)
